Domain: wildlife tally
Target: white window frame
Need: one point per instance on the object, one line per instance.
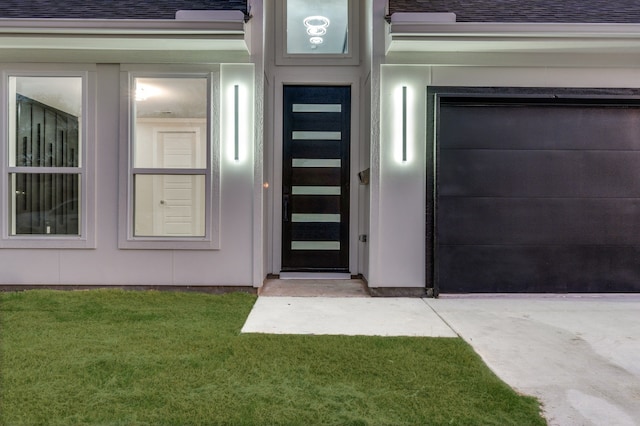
(126, 235)
(86, 238)
(352, 57)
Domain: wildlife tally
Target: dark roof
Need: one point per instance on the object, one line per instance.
(540, 11)
(111, 9)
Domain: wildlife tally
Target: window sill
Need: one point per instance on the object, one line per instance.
(161, 243)
(48, 242)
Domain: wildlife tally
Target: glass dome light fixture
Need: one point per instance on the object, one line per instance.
(316, 25)
(316, 31)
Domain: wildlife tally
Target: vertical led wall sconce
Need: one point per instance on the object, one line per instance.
(236, 113)
(236, 123)
(404, 124)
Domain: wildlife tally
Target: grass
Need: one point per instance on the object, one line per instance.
(135, 358)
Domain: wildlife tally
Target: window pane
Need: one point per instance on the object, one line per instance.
(45, 203)
(45, 121)
(317, 27)
(169, 205)
(170, 123)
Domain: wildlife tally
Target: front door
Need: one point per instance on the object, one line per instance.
(315, 181)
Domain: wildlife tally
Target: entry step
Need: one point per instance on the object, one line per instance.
(315, 276)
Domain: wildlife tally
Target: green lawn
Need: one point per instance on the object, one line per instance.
(131, 358)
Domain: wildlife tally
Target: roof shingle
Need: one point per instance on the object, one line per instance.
(111, 9)
(539, 11)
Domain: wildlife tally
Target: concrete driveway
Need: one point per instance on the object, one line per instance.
(579, 354)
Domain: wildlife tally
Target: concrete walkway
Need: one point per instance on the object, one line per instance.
(352, 316)
(579, 354)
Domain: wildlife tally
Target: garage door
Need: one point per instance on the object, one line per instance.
(536, 194)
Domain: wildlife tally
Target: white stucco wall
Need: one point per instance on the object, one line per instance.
(399, 235)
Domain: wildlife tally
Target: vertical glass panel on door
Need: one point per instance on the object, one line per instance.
(170, 123)
(317, 27)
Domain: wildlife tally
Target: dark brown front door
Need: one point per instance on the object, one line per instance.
(315, 181)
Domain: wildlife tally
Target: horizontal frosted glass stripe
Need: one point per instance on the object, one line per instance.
(315, 245)
(317, 108)
(315, 190)
(311, 162)
(315, 217)
(314, 136)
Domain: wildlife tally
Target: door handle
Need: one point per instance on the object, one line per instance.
(285, 208)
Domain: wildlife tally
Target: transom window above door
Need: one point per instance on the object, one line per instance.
(317, 27)
(311, 32)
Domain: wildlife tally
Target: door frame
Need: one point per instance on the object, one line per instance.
(314, 261)
(199, 149)
(313, 76)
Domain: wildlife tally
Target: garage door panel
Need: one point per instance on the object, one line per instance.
(555, 269)
(536, 195)
(496, 269)
(545, 221)
(493, 173)
(539, 126)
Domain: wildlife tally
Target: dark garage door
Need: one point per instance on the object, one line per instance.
(536, 194)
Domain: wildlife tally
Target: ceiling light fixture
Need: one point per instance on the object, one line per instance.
(141, 93)
(146, 91)
(316, 27)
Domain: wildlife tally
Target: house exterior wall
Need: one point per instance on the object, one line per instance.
(387, 215)
(107, 264)
(401, 203)
(402, 193)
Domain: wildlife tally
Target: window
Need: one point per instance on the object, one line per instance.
(170, 184)
(317, 27)
(313, 31)
(46, 171)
